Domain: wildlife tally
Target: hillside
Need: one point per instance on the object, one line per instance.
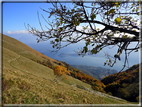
(124, 84)
(27, 80)
(96, 72)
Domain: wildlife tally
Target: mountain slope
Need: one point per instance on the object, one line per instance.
(96, 72)
(28, 82)
(124, 84)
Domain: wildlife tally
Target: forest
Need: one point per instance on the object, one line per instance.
(124, 84)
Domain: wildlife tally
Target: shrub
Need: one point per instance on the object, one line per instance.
(109, 93)
(59, 71)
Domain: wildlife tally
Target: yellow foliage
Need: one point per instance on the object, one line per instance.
(66, 78)
(118, 20)
(60, 70)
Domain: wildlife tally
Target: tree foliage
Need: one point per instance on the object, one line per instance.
(59, 71)
(100, 24)
(124, 84)
(95, 84)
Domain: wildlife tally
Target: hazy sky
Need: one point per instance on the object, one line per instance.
(16, 14)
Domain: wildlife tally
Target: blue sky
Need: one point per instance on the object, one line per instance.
(16, 14)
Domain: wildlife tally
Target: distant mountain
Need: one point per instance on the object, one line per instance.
(124, 84)
(96, 72)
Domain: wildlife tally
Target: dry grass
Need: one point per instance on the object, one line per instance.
(27, 82)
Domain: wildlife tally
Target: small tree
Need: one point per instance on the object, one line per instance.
(59, 71)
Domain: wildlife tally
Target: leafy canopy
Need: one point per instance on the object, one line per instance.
(59, 71)
(99, 23)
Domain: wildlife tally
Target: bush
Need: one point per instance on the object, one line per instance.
(109, 93)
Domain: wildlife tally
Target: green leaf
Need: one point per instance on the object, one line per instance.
(112, 11)
(68, 11)
(136, 10)
(72, 10)
(93, 44)
(61, 19)
(80, 19)
(93, 16)
(94, 51)
(136, 50)
(106, 13)
(57, 40)
(126, 22)
(60, 38)
(61, 22)
(85, 49)
(87, 43)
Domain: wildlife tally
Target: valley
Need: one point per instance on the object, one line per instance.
(96, 72)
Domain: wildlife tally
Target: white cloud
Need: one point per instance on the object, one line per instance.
(16, 32)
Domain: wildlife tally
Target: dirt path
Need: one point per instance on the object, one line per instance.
(24, 51)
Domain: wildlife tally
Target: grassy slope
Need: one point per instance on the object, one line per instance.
(27, 82)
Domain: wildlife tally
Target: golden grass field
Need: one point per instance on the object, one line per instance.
(28, 82)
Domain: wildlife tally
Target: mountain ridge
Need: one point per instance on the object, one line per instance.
(96, 72)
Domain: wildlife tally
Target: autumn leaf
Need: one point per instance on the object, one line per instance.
(125, 36)
(60, 29)
(118, 20)
(38, 41)
(98, 29)
(116, 4)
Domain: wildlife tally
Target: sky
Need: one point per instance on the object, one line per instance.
(15, 15)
